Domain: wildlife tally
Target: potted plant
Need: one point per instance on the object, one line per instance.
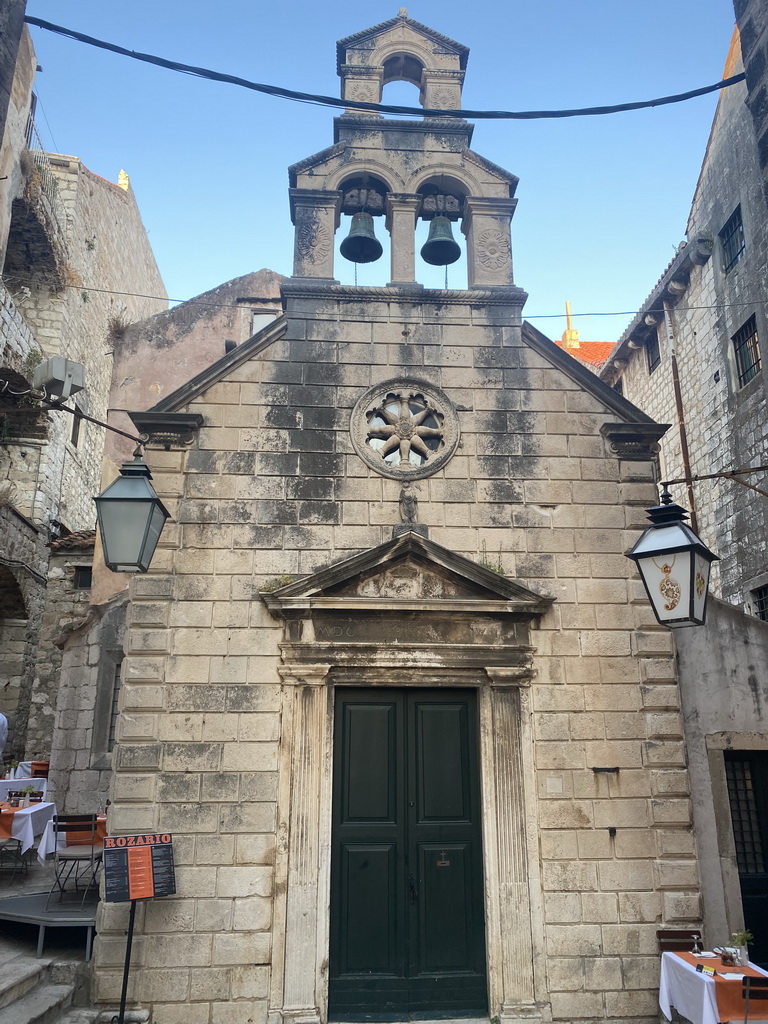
(741, 940)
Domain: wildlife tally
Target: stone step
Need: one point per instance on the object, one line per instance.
(44, 1004)
(79, 1016)
(20, 975)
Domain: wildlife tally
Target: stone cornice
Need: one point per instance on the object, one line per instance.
(376, 123)
(306, 288)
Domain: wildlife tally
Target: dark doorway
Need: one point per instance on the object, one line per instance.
(747, 775)
(407, 918)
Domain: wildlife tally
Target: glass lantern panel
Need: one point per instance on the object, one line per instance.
(668, 582)
(123, 527)
(701, 570)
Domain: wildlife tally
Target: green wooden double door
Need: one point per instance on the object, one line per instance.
(407, 918)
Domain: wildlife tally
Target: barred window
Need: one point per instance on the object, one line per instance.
(653, 351)
(760, 602)
(745, 773)
(746, 347)
(732, 240)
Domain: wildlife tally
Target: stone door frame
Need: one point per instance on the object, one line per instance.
(513, 899)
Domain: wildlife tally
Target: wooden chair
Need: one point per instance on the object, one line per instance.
(79, 860)
(754, 988)
(40, 769)
(676, 940)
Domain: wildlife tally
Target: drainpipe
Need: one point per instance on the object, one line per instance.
(669, 325)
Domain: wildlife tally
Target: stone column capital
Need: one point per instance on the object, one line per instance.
(304, 675)
(516, 677)
(315, 199)
(490, 206)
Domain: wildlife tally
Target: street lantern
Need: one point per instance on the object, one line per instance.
(674, 566)
(131, 518)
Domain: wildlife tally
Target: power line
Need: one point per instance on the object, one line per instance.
(384, 108)
(532, 316)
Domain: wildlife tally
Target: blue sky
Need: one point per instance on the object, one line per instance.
(602, 201)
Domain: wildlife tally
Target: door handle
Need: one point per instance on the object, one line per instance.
(413, 892)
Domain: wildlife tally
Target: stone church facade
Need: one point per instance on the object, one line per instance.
(391, 682)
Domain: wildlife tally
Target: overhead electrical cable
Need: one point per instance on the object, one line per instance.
(245, 303)
(378, 108)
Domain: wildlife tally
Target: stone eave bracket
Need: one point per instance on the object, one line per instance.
(167, 429)
(634, 442)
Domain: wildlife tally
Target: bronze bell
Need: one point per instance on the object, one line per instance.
(440, 249)
(361, 244)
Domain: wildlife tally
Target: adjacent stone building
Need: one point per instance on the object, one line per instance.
(391, 682)
(152, 357)
(693, 357)
(70, 242)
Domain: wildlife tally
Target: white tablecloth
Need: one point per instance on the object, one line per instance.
(29, 822)
(691, 993)
(6, 785)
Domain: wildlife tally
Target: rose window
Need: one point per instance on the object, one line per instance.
(406, 430)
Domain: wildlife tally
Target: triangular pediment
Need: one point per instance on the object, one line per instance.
(409, 572)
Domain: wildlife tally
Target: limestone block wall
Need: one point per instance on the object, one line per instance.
(727, 424)
(273, 486)
(108, 252)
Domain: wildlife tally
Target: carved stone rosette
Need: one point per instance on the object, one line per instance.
(404, 428)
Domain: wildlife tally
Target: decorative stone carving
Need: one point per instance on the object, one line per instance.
(493, 249)
(634, 442)
(405, 429)
(313, 242)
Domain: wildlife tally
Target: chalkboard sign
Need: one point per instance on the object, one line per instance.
(138, 867)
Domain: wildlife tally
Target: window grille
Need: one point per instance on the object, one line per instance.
(743, 776)
(652, 351)
(732, 240)
(746, 347)
(760, 601)
(115, 709)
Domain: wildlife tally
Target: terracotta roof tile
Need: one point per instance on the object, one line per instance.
(81, 540)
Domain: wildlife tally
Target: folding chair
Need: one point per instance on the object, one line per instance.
(676, 940)
(79, 860)
(754, 988)
(11, 855)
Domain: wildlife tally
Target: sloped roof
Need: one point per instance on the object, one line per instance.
(383, 26)
(81, 540)
(594, 353)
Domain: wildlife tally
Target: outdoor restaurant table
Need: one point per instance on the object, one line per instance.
(47, 846)
(693, 994)
(26, 823)
(14, 785)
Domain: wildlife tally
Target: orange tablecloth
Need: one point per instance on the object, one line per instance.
(6, 820)
(730, 1002)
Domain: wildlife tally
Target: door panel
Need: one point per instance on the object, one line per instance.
(407, 928)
